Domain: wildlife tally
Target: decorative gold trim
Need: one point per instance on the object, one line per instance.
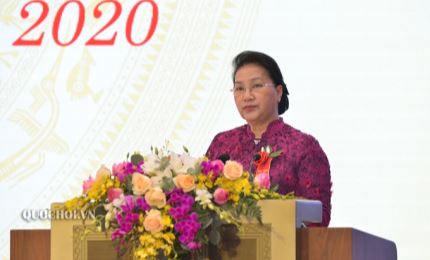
(262, 236)
(254, 243)
(82, 238)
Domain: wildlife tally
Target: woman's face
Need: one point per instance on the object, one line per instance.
(255, 96)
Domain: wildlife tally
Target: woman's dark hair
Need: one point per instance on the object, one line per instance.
(270, 65)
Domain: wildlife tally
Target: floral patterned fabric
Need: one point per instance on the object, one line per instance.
(302, 167)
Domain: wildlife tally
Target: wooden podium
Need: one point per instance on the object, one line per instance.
(342, 243)
(280, 237)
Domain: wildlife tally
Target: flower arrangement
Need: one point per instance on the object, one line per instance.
(169, 204)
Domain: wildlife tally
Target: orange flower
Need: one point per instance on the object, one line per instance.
(233, 170)
(264, 156)
(263, 163)
(140, 183)
(102, 173)
(153, 221)
(185, 182)
(155, 197)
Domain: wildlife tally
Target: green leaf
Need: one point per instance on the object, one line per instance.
(275, 154)
(197, 168)
(214, 237)
(206, 221)
(167, 184)
(201, 236)
(136, 159)
(128, 184)
(164, 162)
(200, 210)
(216, 221)
(195, 171)
(185, 149)
(190, 171)
(184, 247)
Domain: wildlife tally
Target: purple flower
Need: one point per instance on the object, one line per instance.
(216, 166)
(128, 204)
(128, 217)
(187, 225)
(142, 204)
(122, 170)
(206, 167)
(194, 245)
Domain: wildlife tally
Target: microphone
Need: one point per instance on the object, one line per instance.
(224, 157)
(255, 158)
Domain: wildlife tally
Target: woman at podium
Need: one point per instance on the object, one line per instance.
(261, 96)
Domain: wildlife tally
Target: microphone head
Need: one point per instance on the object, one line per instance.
(224, 157)
(257, 157)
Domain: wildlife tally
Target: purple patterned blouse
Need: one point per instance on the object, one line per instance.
(302, 167)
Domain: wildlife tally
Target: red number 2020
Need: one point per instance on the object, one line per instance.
(24, 14)
(97, 13)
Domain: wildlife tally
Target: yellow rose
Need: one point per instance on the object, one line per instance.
(155, 197)
(140, 183)
(102, 173)
(153, 221)
(185, 182)
(233, 170)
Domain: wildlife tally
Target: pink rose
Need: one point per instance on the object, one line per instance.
(221, 196)
(114, 193)
(88, 184)
(262, 181)
(233, 170)
(217, 166)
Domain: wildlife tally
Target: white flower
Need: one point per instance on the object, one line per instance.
(111, 210)
(188, 161)
(108, 206)
(175, 162)
(157, 177)
(151, 163)
(118, 201)
(180, 163)
(108, 218)
(156, 180)
(203, 196)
